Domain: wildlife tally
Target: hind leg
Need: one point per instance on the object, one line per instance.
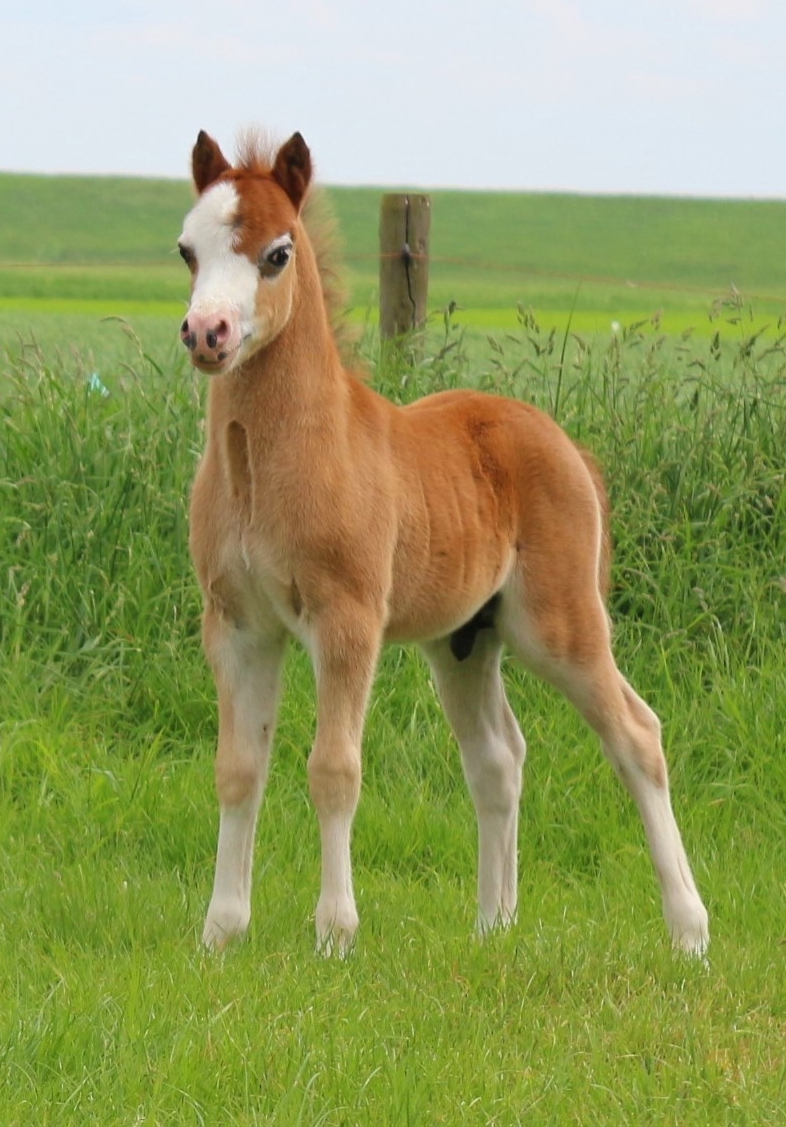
(630, 735)
(633, 744)
(492, 752)
(570, 647)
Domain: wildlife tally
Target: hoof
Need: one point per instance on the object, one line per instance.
(225, 921)
(336, 930)
(691, 933)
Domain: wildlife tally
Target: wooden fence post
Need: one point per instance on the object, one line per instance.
(404, 225)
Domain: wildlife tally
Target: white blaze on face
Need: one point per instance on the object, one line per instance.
(237, 305)
(226, 282)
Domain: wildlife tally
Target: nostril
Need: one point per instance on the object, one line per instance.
(218, 334)
(206, 335)
(188, 338)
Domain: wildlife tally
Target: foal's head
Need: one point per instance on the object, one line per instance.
(240, 241)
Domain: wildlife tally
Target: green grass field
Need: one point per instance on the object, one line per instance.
(580, 1014)
(90, 243)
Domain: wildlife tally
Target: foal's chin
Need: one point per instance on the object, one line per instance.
(232, 360)
(214, 367)
(220, 367)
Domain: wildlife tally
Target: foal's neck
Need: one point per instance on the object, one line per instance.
(296, 379)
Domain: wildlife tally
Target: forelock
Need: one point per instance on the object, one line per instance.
(256, 152)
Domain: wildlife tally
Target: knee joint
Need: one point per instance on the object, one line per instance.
(334, 780)
(237, 781)
(495, 779)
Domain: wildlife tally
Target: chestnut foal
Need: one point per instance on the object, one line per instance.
(465, 522)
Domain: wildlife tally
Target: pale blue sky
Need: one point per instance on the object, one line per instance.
(666, 97)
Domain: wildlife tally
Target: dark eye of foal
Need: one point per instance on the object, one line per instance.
(275, 256)
(279, 257)
(186, 254)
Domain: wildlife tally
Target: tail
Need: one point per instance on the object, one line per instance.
(604, 561)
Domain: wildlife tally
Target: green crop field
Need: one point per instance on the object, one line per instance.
(93, 244)
(111, 1013)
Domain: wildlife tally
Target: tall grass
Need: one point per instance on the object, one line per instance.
(112, 1015)
(97, 469)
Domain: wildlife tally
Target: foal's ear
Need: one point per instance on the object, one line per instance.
(292, 169)
(207, 162)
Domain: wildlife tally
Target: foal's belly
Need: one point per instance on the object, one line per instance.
(443, 574)
(457, 517)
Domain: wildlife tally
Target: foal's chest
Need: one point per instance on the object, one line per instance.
(241, 562)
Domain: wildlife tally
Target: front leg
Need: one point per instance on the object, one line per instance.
(247, 670)
(345, 651)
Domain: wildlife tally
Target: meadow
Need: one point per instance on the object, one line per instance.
(76, 244)
(580, 1013)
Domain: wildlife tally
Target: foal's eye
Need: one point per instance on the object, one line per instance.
(275, 256)
(186, 254)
